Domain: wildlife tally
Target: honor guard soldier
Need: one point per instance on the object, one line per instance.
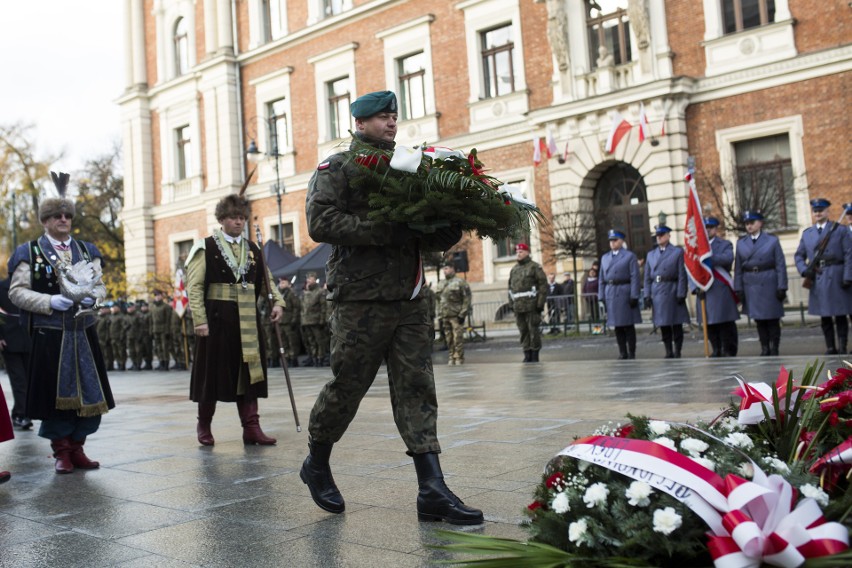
(146, 341)
(314, 321)
(453, 296)
(290, 322)
(161, 320)
(619, 288)
(720, 299)
(102, 329)
(760, 280)
(666, 288)
(134, 336)
(824, 259)
(118, 326)
(527, 298)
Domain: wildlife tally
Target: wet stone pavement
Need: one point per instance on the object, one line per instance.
(161, 500)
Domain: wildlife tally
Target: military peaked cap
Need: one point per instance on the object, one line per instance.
(615, 234)
(752, 216)
(711, 222)
(820, 203)
(661, 230)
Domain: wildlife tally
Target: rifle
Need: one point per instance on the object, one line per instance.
(271, 302)
(813, 267)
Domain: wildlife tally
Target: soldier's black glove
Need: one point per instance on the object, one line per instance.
(846, 284)
(681, 301)
(701, 294)
(633, 302)
(648, 303)
(781, 295)
(809, 273)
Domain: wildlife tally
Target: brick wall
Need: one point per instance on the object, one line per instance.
(178, 224)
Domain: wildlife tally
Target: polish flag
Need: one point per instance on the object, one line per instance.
(644, 129)
(620, 128)
(540, 148)
(565, 153)
(666, 108)
(180, 299)
(552, 150)
(697, 254)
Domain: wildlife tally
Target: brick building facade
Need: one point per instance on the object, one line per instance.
(753, 90)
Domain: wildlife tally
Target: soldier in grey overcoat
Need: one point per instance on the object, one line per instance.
(375, 280)
(720, 299)
(760, 280)
(830, 295)
(665, 290)
(619, 288)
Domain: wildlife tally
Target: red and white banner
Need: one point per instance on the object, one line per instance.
(697, 255)
(552, 149)
(541, 150)
(179, 300)
(565, 153)
(666, 108)
(620, 128)
(644, 129)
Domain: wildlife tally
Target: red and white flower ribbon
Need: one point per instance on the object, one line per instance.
(841, 455)
(758, 396)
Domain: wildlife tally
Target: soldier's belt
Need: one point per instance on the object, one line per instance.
(617, 282)
(757, 268)
(225, 292)
(664, 279)
(823, 262)
(528, 294)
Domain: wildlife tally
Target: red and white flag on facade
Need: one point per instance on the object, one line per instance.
(179, 300)
(644, 129)
(697, 255)
(666, 108)
(552, 149)
(541, 151)
(565, 153)
(620, 128)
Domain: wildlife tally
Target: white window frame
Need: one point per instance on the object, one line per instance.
(495, 112)
(267, 89)
(316, 10)
(494, 268)
(270, 222)
(399, 42)
(258, 24)
(330, 66)
(175, 238)
(167, 14)
(793, 127)
(184, 111)
(749, 48)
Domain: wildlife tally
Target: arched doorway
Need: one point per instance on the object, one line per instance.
(621, 201)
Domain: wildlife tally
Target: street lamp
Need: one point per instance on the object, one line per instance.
(254, 155)
(661, 218)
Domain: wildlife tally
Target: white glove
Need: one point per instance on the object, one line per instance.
(60, 303)
(87, 302)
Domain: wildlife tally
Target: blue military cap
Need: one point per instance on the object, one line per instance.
(661, 230)
(753, 216)
(820, 203)
(848, 208)
(367, 105)
(615, 234)
(711, 222)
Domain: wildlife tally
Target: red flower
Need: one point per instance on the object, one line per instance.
(833, 419)
(554, 480)
(625, 431)
(839, 379)
(535, 505)
(838, 402)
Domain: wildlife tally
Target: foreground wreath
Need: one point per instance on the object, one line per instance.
(428, 188)
(765, 484)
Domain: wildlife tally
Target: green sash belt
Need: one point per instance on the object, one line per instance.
(246, 308)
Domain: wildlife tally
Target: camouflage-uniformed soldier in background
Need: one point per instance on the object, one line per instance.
(268, 332)
(314, 321)
(118, 327)
(527, 297)
(289, 323)
(161, 319)
(453, 304)
(133, 337)
(431, 301)
(179, 347)
(146, 344)
(189, 328)
(103, 325)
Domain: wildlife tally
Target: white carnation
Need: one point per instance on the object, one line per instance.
(638, 494)
(666, 520)
(667, 442)
(560, 503)
(778, 465)
(658, 427)
(709, 464)
(694, 447)
(739, 440)
(746, 469)
(577, 531)
(596, 494)
(815, 493)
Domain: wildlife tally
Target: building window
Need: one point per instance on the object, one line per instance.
(184, 152)
(412, 86)
(274, 19)
(182, 249)
(334, 7)
(497, 65)
(338, 107)
(506, 246)
(741, 15)
(608, 27)
(764, 171)
(276, 114)
(181, 39)
(284, 237)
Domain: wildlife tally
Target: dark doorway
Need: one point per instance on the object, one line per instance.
(621, 202)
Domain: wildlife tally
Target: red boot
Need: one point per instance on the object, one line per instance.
(252, 434)
(79, 457)
(205, 418)
(62, 452)
(5, 476)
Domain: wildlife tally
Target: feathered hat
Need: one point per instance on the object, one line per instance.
(233, 205)
(55, 205)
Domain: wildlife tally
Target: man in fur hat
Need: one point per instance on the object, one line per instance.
(224, 280)
(68, 389)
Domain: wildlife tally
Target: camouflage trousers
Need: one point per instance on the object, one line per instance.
(162, 348)
(291, 338)
(316, 340)
(528, 323)
(454, 334)
(363, 334)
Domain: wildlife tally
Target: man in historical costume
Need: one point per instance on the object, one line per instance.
(760, 280)
(453, 297)
(527, 298)
(289, 325)
(314, 321)
(224, 280)
(68, 388)
(830, 275)
(619, 286)
(720, 301)
(15, 344)
(379, 314)
(665, 289)
(6, 432)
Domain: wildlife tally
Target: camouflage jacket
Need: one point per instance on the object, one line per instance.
(292, 307)
(161, 317)
(369, 261)
(527, 287)
(313, 301)
(453, 298)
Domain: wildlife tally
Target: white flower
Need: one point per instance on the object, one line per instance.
(815, 493)
(596, 494)
(739, 440)
(667, 442)
(746, 469)
(659, 427)
(777, 465)
(666, 520)
(709, 464)
(638, 494)
(729, 424)
(577, 531)
(693, 446)
(560, 503)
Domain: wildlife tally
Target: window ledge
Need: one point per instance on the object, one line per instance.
(750, 48)
(181, 189)
(499, 111)
(418, 130)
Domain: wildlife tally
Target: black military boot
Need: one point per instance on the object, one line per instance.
(774, 338)
(621, 340)
(630, 335)
(435, 501)
(669, 351)
(527, 355)
(535, 356)
(316, 474)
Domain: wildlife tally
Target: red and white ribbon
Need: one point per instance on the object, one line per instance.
(757, 397)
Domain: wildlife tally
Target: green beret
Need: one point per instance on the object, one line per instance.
(367, 105)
